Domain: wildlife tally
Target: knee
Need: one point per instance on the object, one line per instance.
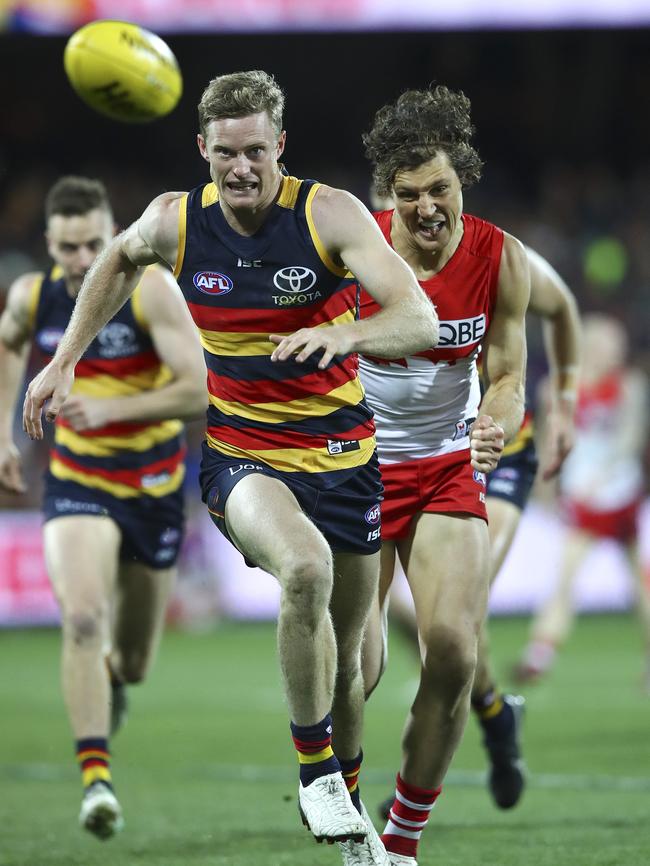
(84, 627)
(450, 656)
(307, 586)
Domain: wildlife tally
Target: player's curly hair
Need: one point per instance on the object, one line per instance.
(240, 94)
(413, 129)
(76, 196)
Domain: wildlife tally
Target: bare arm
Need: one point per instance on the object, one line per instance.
(504, 360)
(551, 299)
(407, 322)
(177, 345)
(110, 281)
(15, 337)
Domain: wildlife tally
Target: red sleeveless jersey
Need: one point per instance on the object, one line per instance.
(464, 291)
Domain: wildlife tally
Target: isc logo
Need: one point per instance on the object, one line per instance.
(211, 283)
(461, 332)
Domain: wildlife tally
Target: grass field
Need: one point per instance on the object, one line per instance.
(206, 774)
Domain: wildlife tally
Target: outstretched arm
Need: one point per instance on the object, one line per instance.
(176, 343)
(551, 299)
(110, 281)
(407, 322)
(504, 361)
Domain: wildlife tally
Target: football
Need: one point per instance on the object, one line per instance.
(123, 71)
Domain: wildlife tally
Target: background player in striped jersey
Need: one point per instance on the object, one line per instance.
(435, 444)
(289, 471)
(113, 501)
(508, 489)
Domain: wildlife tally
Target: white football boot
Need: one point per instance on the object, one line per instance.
(370, 852)
(100, 812)
(327, 810)
(401, 860)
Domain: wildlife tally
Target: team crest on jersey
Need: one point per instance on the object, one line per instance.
(117, 340)
(479, 477)
(212, 283)
(49, 338)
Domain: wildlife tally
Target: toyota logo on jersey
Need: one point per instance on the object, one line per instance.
(212, 283)
(294, 279)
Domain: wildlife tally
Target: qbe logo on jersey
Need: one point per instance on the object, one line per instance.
(458, 333)
(212, 283)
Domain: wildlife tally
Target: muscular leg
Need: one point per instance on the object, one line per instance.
(445, 560)
(504, 519)
(374, 652)
(355, 589)
(81, 553)
(267, 524)
(139, 618)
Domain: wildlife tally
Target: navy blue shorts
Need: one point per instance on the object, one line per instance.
(348, 514)
(514, 477)
(152, 529)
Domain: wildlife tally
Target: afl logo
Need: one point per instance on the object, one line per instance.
(373, 514)
(211, 283)
(294, 279)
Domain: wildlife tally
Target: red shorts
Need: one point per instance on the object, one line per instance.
(620, 525)
(434, 484)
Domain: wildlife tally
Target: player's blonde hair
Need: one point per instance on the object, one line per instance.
(240, 94)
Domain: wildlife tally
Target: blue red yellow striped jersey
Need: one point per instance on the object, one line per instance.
(126, 460)
(290, 416)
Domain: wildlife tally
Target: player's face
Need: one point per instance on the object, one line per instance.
(429, 203)
(74, 242)
(243, 153)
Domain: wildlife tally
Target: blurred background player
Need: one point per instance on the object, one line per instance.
(113, 502)
(289, 471)
(435, 443)
(601, 486)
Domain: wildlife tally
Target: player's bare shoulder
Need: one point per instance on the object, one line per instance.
(154, 237)
(339, 215)
(514, 274)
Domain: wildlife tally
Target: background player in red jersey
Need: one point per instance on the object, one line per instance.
(434, 442)
(601, 486)
(508, 489)
(113, 500)
(289, 470)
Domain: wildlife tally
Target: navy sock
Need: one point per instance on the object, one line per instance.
(314, 746)
(350, 770)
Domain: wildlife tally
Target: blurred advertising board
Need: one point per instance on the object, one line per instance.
(214, 582)
(247, 16)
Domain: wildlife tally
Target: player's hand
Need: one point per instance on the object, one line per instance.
(558, 440)
(332, 340)
(85, 413)
(486, 442)
(53, 383)
(11, 473)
